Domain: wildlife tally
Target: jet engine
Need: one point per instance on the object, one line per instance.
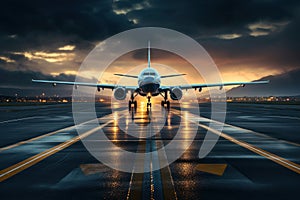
(120, 93)
(176, 93)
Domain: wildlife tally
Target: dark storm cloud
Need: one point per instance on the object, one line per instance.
(205, 20)
(212, 17)
(87, 19)
(46, 25)
(156, 54)
(95, 20)
(31, 26)
(35, 25)
(274, 51)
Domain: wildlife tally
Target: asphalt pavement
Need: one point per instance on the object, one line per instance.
(256, 155)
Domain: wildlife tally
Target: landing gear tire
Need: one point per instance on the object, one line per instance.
(130, 103)
(168, 105)
(135, 105)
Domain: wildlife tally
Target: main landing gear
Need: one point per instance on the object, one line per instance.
(132, 103)
(165, 102)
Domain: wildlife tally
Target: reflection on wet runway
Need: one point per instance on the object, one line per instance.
(247, 162)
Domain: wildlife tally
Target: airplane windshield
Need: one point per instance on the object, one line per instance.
(149, 74)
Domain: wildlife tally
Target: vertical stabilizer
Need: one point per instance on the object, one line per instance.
(148, 54)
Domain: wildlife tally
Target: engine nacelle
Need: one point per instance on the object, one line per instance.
(120, 93)
(176, 93)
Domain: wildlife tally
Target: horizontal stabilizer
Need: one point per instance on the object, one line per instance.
(125, 75)
(172, 75)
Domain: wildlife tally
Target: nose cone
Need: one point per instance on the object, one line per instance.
(148, 79)
(149, 84)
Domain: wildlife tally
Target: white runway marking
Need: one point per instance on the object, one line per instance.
(16, 120)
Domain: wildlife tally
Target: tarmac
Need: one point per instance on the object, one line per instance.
(257, 154)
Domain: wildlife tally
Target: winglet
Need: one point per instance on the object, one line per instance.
(148, 54)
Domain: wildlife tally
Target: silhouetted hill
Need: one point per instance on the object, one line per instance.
(19, 82)
(286, 84)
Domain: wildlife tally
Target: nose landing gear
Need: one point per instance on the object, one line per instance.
(149, 105)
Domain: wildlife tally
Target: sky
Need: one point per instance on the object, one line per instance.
(248, 40)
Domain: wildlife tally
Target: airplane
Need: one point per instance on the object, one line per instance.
(149, 85)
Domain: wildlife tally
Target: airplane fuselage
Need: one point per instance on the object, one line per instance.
(149, 82)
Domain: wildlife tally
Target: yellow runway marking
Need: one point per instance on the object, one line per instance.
(35, 138)
(135, 190)
(168, 187)
(94, 168)
(136, 180)
(217, 169)
(261, 134)
(42, 136)
(277, 159)
(19, 167)
(243, 129)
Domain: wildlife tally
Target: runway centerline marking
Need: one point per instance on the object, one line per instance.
(166, 176)
(160, 188)
(136, 179)
(19, 167)
(277, 159)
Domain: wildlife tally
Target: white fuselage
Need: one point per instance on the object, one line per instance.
(149, 82)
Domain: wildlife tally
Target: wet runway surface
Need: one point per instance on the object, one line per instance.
(257, 155)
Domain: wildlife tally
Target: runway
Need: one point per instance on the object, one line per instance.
(256, 156)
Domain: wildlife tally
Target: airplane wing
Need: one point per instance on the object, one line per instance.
(200, 86)
(97, 85)
(126, 75)
(164, 76)
(171, 75)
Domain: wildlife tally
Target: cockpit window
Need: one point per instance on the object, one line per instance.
(149, 74)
